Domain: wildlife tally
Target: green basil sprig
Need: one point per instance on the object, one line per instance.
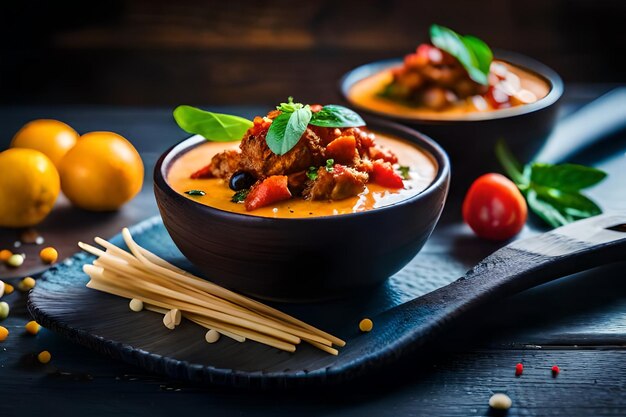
(284, 132)
(333, 115)
(286, 129)
(215, 127)
(553, 191)
(240, 196)
(474, 54)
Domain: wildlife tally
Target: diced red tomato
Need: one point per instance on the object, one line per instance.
(338, 169)
(366, 139)
(384, 154)
(260, 125)
(384, 174)
(273, 114)
(204, 172)
(342, 149)
(271, 190)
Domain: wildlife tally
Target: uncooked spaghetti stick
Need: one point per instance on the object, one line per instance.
(115, 249)
(325, 348)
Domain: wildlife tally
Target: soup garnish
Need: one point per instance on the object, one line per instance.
(306, 152)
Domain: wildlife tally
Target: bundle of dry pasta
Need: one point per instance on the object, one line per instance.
(151, 282)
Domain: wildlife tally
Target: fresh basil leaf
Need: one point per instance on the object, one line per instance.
(509, 163)
(405, 172)
(573, 204)
(333, 115)
(552, 191)
(290, 106)
(240, 196)
(565, 177)
(287, 129)
(312, 173)
(545, 210)
(214, 127)
(195, 192)
(481, 51)
(474, 61)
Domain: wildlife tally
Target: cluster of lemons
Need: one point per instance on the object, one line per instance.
(98, 171)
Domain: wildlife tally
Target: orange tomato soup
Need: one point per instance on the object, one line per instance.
(423, 169)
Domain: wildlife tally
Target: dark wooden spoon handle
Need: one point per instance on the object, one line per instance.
(516, 267)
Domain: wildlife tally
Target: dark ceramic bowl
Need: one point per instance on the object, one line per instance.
(470, 141)
(302, 259)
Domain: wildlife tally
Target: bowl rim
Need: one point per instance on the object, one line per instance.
(442, 178)
(522, 61)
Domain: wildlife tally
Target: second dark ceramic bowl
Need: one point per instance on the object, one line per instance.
(309, 258)
(470, 141)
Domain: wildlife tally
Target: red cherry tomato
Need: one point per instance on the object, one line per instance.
(494, 207)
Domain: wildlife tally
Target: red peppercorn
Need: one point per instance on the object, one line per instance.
(519, 369)
(555, 371)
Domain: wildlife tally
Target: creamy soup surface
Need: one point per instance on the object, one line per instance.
(423, 169)
(366, 94)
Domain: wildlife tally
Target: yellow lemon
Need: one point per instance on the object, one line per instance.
(29, 186)
(51, 137)
(101, 172)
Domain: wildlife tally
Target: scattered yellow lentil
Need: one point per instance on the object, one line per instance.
(16, 260)
(44, 357)
(26, 284)
(212, 336)
(32, 327)
(366, 325)
(136, 305)
(4, 310)
(8, 288)
(49, 255)
(4, 333)
(5, 254)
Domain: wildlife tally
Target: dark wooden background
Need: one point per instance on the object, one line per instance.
(164, 52)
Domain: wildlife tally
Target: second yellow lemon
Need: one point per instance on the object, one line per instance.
(101, 172)
(51, 137)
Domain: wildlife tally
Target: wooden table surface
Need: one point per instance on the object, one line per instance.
(577, 323)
